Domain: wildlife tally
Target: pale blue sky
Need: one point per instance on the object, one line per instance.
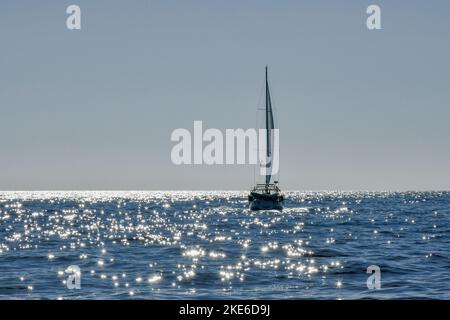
(94, 109)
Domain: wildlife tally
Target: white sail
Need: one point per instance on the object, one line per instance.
(269, 133)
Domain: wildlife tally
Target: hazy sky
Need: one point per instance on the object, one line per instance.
(94, 108)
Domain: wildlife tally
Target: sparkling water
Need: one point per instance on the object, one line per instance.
(208, 245)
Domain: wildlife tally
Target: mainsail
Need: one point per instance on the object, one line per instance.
(269, 132)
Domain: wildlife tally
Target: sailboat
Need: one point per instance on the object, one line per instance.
(267, 195)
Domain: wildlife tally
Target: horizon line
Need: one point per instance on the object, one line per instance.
(228, 190)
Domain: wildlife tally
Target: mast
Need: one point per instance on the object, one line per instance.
(267, 118)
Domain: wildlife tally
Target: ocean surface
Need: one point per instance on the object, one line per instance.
(208, 245)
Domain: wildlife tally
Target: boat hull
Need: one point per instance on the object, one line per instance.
(265, 201)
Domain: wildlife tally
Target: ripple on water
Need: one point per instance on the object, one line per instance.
(208, 244)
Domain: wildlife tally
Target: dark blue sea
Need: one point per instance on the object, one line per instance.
(208, 245)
